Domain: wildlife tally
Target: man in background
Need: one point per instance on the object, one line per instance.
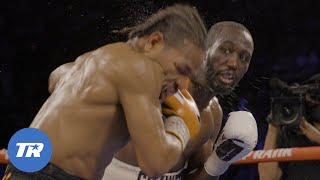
(306, 133)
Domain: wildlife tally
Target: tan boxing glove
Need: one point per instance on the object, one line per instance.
(182, 104)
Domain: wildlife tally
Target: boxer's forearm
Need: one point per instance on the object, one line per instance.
(160, 160)
(157, 151)
(201, 174)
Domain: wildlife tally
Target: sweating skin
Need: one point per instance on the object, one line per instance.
(230, 54)
(110, 96)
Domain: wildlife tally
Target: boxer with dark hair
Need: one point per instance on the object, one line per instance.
(111, 95)
(229, 49)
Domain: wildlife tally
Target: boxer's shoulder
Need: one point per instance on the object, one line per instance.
(116, 50)
(119, 50)
(125, 56)
(130, 68)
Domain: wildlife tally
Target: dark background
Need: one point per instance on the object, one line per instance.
(38, 36)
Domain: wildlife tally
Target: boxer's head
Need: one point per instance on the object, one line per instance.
(175, 37)
(229, 50)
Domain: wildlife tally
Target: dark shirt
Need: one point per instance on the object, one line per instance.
(297, 170)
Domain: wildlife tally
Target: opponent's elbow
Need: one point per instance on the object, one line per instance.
(51, 88)
(52, 81)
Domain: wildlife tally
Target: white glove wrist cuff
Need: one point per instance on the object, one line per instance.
(215, 166)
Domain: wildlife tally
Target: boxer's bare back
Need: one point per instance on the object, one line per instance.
(83, 116)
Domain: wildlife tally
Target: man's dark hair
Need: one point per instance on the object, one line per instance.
(176, 23)
(217, 29)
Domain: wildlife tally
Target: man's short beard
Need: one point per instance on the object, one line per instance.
(210, 76)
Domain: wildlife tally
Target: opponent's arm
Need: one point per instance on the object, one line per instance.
(270, 170)
(195, 168)
(156, 150)
(217, 114)
(237, 139)
(196, 162)
(56, 75)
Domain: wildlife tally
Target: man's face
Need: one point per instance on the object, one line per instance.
(228, 59)
(181, 63)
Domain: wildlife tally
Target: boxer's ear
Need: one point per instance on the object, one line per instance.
(155, 41)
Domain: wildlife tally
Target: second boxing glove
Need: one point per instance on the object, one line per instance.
(237, 139)
(182, 104)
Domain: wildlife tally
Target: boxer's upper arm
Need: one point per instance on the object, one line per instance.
(139, 96)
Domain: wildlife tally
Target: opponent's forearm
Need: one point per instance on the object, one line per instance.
(200, 174)
(57, 74)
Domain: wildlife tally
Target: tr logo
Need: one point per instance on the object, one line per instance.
(33, 149)
(29, 150)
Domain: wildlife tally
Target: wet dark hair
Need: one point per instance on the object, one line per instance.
(177, 23)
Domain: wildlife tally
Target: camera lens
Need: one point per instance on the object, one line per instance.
(288, 112)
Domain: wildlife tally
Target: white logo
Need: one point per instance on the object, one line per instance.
(33, 148)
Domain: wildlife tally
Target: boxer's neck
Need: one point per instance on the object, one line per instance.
(138, 45)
